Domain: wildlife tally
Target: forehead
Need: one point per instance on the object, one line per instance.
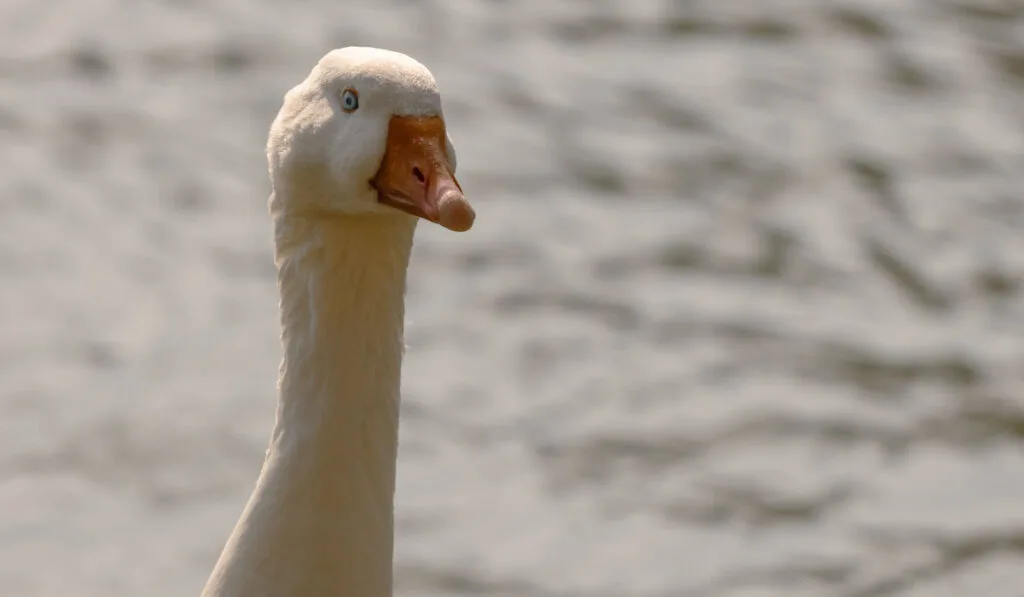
(407, 86)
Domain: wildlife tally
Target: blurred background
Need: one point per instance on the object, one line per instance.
(741, 315)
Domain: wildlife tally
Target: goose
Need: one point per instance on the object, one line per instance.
(358, 155)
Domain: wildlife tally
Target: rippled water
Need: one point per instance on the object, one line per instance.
(741, 315)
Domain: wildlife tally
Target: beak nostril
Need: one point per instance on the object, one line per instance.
(418, 174)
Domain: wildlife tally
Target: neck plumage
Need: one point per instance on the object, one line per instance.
(320, 521)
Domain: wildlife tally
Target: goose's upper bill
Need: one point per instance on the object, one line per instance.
(415, 175)
(366, 129)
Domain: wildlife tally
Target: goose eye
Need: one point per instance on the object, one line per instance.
(349, 100)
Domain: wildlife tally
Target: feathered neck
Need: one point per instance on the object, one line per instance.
(320, 521)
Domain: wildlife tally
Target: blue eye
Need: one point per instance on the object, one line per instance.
(349, 100)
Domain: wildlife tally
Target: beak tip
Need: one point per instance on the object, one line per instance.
(455, 213)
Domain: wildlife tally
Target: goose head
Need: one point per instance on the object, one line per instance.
(364, 134)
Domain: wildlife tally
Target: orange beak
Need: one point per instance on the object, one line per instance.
(414, 175)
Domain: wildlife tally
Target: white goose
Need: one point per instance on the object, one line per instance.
(358, 154)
